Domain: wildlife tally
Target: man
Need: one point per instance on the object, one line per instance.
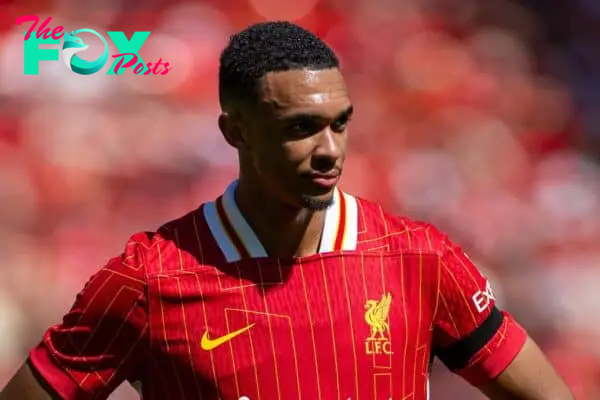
(285, 287)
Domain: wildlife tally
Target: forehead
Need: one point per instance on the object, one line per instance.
(305, 91)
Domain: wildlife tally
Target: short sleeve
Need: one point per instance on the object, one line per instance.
(102, 340)
(472, 336)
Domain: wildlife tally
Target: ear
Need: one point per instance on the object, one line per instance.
(231, 128)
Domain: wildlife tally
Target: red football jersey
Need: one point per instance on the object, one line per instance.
(197, 310)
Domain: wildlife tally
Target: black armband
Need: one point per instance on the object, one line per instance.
(457, 355)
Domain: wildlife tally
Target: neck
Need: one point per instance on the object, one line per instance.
(270, 217)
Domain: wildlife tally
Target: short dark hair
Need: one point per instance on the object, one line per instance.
(268, 47)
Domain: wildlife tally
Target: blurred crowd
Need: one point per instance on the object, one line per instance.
(478, 116)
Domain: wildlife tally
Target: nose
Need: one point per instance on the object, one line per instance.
(329, 149)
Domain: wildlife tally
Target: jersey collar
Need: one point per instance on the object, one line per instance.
(237, 240)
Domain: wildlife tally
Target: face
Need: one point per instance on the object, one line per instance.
(294, 140)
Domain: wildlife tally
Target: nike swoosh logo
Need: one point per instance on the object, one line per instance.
(208, 344)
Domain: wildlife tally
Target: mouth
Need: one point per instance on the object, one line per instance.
(326, 180)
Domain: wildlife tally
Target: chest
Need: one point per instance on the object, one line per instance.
(330, 327)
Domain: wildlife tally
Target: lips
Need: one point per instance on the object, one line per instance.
(326, 181)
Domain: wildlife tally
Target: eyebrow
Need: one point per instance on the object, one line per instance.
(303, 116)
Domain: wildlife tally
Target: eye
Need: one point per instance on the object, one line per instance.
(302, 128)
(340, 124)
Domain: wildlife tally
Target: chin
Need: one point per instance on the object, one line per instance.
(316, 203)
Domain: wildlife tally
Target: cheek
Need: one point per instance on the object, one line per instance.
(297, 152)
(285, 156)
(270, 159)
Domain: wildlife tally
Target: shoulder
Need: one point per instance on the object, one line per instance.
(182, 243)
(122, 276)
(381, 228)
(126, 275)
